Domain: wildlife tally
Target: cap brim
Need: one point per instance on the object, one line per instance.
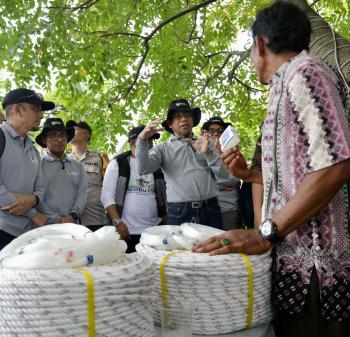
(166, 126)
(71, 124)
(39, 139)
(47, 105)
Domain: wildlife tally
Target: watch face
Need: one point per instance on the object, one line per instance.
(266, 228)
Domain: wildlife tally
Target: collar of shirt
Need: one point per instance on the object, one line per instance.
(173, 138)
(277, 75)
(50, 158)
(13, 133)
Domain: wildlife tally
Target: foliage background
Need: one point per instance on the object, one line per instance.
(86, 54)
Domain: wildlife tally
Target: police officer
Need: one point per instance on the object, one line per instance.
(95, 164)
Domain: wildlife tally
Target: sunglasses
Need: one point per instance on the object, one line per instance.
(213, 130)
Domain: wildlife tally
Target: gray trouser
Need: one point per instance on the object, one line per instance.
(231, 220)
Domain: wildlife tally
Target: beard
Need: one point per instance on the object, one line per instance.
(35, 128)
(184, 134)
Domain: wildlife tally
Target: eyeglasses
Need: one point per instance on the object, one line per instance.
(178, 115)
(57, 135)
(218, 130)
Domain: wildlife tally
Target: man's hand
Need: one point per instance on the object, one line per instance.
(66, 219)
(150, 129)
(123, 230)
(247, 241)
(22, 204)
(40, 219)
(202, 144)
(236, 164)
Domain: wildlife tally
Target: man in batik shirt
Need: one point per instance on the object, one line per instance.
(305, 172)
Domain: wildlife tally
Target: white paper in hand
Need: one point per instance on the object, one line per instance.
(229, 139)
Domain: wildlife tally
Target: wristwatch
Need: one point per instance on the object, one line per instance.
(268, 230)
(74, 215)
(116, 221)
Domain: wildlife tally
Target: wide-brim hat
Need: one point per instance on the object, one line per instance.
(181, 105)
(57, 125)
(134, 133)
(215, 120)
(23, 95)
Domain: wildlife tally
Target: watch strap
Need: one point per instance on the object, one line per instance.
(116, 221)
(273, 237)
(74, 215)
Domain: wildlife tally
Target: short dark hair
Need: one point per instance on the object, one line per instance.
(286, 27)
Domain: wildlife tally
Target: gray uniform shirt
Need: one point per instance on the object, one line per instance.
(190, 176)
(65, 188)
(20, 171)
(94, 212)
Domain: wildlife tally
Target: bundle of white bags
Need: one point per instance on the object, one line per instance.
(43, 294)
(217, 287)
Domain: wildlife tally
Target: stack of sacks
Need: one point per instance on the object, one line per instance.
(107, 293)
(227, 292)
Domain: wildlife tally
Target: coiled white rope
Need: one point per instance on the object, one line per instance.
(227, 292)
(177, 237)
(56, 302)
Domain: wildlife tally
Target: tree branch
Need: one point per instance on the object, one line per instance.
(314, 3)
(193, 28)
(242, 57)
(146, 45)
(248, 86)
(210, 78)
(85, 5)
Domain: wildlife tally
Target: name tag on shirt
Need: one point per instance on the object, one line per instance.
(72, 173)
(34, 159)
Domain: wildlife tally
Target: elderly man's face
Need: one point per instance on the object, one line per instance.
(30, 115)
(258, 57)
(56, 141)
(182, 123)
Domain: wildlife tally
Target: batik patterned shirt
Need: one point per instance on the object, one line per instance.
(306, 130)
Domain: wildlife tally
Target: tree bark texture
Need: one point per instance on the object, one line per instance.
(327, 44)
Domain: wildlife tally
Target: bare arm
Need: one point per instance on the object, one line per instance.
(258, 196)
(236, 164)
(312, 195)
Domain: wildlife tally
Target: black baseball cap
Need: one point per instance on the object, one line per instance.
(215, 120)
(81, 125)
(134, 133)
(23, 95)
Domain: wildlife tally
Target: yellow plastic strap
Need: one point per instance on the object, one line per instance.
(162, 269)
(91, 301)
(250, 290)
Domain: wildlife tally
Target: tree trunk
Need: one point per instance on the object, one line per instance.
(327, 44)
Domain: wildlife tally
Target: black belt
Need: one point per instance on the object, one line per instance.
(195, 204)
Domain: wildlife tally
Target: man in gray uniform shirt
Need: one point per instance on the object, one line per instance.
(65, 182)
(20, 170)
(192, 167)
(95, 164)
(228, 190)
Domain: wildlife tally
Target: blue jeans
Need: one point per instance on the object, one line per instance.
(178, 213)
